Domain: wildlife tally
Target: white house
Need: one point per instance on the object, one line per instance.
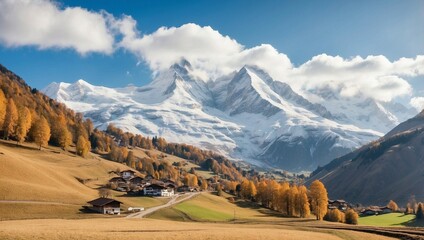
(127, 174)
(158, 190)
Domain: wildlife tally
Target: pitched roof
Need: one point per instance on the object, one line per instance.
(129, 170)
(102, 201)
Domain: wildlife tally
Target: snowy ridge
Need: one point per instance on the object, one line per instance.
(245, 116)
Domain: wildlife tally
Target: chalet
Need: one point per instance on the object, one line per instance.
(386, 210)
(185, 188)
(122, 187)
(337, 204)
(158, 190)
(170, 185)
(149, 177)
(105, 206)
(117, 180)
(375, 210)
(127, 174)
(136, 180)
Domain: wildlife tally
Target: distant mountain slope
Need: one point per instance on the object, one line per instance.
(390, 168)
(246, 115)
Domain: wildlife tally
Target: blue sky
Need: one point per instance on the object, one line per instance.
(299, 29)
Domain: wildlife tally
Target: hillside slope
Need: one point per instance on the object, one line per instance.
(390, 168)
(50, 175)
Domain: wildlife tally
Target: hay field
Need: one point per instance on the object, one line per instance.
(157, 229)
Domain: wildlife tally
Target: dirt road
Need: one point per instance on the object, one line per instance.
(171, 202)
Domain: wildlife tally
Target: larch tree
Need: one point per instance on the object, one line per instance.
(3, 103)
(65, 138)
(11, 119)
(130, 159)
(393, 205)
(24, 124)
(41, 132)
(204, 185)
(351, 217)
(319, 199)
(83, 146)
(304, 209)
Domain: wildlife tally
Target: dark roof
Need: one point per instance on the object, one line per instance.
(114, 179)
(156, 186)
(102, 201)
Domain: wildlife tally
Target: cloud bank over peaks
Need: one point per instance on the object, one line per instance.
(210, 53)
(374, 76)
(45, 24)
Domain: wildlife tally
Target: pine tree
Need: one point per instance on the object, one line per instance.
(11, 119)
(3, 104)
(319, 199)
(41, 132)
(24, 124)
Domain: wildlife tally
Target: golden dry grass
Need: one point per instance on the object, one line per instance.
(157, 229)
(50, 175)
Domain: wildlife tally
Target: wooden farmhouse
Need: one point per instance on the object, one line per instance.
(106, 206)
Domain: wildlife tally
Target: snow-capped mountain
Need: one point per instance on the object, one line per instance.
(246, 115)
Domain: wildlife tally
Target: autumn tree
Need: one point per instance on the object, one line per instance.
(24, 124)
(304, 209)
(130, 159)
(351, 217)
(3, 104)
(392, 205)
(65, 138)
(333, 215)
(204, 185)
(41, 132)
(11, 119)
(83, 146)
(248, 189)
(319, 199)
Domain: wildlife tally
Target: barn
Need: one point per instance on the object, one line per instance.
(106, 205)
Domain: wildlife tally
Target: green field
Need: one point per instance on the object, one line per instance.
(387, 220)
(208, 207)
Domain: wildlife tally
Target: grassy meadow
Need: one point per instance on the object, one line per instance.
(387, 220)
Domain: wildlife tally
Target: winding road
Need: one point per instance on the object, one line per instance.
(171, 202)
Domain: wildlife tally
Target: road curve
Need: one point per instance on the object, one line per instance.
(171, 202)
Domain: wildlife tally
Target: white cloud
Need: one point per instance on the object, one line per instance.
(209, 52)
(213, 54)
(44, 24)
(418, 103)
(374, 76)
